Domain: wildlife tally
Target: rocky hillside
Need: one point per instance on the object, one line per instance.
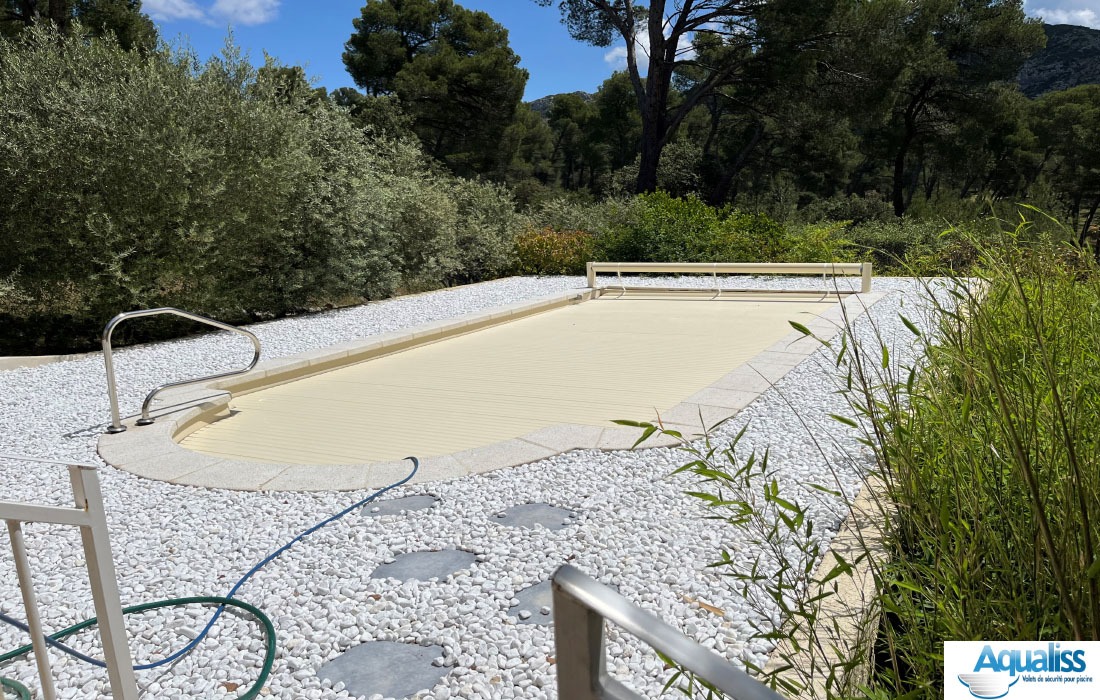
(1071, 58)
(543, 104)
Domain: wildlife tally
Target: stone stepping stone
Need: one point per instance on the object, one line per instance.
(391, 669)
(394, 506)
(531, 515)
(421, 566)
(532, 602)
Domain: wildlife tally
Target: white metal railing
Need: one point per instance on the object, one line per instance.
(88, 514)
(863, 270)
(580, 607)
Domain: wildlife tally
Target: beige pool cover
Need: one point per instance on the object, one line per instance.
(589, 364)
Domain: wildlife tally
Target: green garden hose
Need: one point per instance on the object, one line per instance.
(19, 689)
(221, 602)
(269, 635)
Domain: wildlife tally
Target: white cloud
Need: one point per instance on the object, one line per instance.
(169, 10)
(1068, 12)
(616, 56)
(246, 11)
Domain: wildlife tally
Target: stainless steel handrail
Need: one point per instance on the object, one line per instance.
(108, 361)
(580, 607)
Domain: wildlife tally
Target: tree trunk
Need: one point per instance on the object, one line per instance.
(914, 179)
(1088, 224)
(654, 106)
(965, 192)
(715, 124)
(930, 182)
(650, 158)
(60, 14)
(654, 126)
(721, 191)
(899, 180)
(912, 111)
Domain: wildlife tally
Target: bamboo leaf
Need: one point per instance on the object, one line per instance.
(800, 328)
(912, 328)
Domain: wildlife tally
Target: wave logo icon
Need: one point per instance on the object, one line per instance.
(988, 685)
(993, 670)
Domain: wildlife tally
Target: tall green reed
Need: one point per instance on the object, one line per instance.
(987, 479)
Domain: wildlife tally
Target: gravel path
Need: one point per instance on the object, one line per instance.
(636, 530)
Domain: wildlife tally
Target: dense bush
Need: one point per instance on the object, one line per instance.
(658, 227)
(664, 228)
(487, 228)
(137, 181)
(582, 214)
(854, 208)
(824, 242)
(548, 251)
(750, 238)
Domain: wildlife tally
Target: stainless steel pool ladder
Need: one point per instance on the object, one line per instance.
(580, 607)
(112, 391)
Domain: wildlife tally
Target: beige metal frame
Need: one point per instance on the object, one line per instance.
(863, 270)
(89, 515)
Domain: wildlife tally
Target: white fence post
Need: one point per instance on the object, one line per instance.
(91, 518)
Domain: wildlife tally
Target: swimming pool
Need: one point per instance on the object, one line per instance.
(492, 390)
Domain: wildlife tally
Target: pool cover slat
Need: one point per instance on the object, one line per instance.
(585, 364)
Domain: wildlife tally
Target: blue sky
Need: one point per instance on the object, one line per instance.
(312, 33)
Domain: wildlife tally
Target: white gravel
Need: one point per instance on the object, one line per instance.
(636, 528)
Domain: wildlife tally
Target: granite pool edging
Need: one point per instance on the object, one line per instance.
(848, 614)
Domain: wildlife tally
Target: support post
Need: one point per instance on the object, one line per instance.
(104, 584)
(30, 608)
(580, 607)
(90, 516)
(866, 274)
(590, 269)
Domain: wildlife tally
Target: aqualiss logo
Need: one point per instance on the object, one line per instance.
(990, 670)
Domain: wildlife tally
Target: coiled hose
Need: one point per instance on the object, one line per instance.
(228, 600)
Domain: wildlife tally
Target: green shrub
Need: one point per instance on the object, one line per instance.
(578, 214)
(426, 254)
(664, 228)
(858, 209)
(902, 244)
(136, 181)
(547, 251)
(741, 237)
(487, 227)
(824, 242)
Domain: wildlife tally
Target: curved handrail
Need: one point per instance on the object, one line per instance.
(581, 605)
(108, 361)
